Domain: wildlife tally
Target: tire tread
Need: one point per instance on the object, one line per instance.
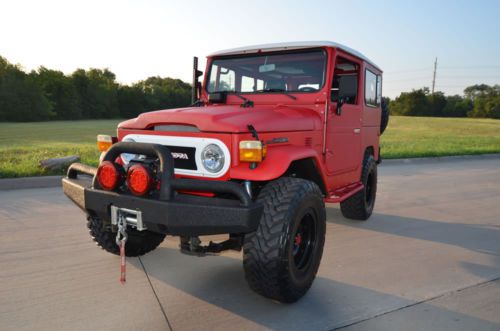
(264, 269)
(354, 207)
(138, 243)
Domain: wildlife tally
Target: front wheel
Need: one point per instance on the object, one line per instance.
(138, 242)
(282, 257)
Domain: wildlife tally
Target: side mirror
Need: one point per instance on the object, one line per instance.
(340, 102)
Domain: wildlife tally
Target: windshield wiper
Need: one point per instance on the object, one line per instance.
(285, 92)
(247, 102)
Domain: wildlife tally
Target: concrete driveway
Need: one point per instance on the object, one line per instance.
(429, 258)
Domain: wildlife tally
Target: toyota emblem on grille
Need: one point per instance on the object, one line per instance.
(183, 156)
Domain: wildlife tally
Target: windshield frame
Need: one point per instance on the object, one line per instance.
(280, 52)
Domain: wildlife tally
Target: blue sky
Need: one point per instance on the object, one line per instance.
(136, 39)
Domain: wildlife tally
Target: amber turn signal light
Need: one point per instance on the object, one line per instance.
(104, 142)
(252, 151)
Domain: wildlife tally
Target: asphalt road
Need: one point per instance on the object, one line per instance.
(429, 258)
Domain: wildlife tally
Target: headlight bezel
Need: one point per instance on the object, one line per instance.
(199, 143)
(127, 157)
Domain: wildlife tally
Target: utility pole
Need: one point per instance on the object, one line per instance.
(434, 75)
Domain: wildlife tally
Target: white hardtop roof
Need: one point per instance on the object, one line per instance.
(292, 45)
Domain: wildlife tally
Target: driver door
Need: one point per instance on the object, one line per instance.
(343, 140)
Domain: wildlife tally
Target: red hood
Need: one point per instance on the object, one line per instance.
(232, 118)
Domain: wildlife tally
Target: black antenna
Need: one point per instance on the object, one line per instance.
(195, 89)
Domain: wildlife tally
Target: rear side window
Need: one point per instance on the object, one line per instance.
(373, 89)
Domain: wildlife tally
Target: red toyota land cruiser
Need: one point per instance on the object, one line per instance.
(273, 133)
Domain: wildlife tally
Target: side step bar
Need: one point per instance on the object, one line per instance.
(344, 193)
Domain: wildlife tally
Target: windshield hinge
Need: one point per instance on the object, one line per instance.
(198, 103)
(247, 103)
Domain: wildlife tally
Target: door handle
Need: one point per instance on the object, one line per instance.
(357, 131)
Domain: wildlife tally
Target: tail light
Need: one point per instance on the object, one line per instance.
(139, 180)
(109, 175)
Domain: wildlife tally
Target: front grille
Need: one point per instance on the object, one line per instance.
(184, 157)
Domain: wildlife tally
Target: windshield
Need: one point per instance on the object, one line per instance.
(302, 71)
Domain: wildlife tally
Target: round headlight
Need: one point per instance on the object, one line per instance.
(127, 157)
(212, 158)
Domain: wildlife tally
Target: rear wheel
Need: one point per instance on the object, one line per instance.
(138, 242)
(282, 257)
(384, 116)
(360, 206)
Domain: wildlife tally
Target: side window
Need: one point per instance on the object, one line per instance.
(345, 81)
(371, 85)
(379, 89)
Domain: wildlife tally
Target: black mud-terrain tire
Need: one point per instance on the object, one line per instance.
(278, 265)
(384, 116)
(360, 205)
(138, 242)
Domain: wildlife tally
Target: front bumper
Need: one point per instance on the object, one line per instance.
(172, 213)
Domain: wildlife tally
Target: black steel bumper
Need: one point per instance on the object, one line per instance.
(172, 213)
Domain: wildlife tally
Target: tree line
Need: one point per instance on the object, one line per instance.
(46, 94)
(477, 101)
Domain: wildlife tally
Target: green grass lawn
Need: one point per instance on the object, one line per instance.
(23, 145)
(408, 137)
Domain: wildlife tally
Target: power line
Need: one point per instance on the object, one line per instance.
(471, 77)
(428, 69)
(445, 77)
(407, 71)
(451, 86)
(471, 67)
(387, 80)
(417, 78)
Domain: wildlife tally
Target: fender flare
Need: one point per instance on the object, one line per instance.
(277, 162)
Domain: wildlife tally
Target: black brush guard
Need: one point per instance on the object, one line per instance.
(172, 213)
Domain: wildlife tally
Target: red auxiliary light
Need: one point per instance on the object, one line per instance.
(139, 180)
(108, 175)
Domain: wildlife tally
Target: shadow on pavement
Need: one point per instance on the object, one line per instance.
(478, 238)
(219, 281)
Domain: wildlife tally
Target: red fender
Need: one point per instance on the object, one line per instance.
(276, 163)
